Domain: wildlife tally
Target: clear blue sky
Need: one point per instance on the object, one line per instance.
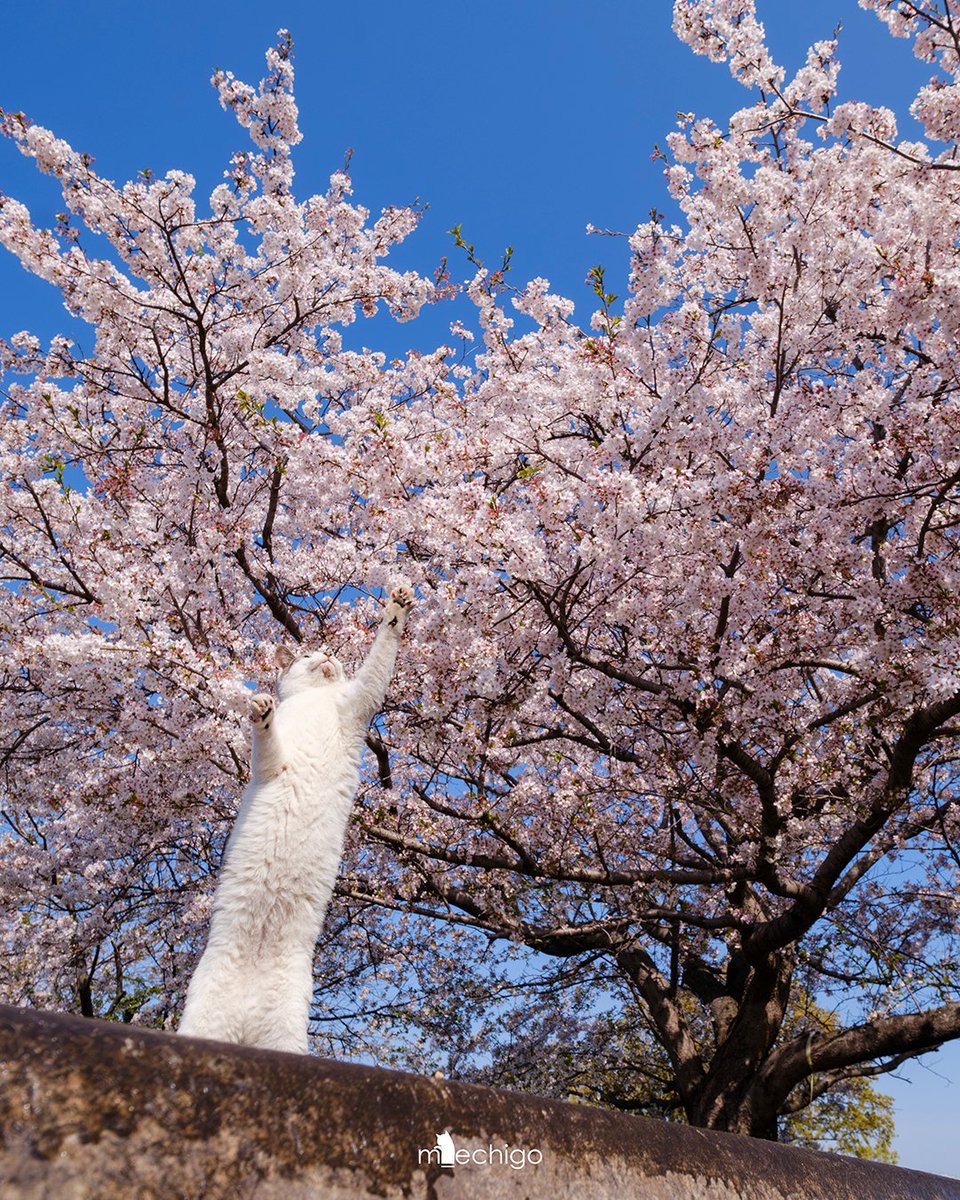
(521, 120)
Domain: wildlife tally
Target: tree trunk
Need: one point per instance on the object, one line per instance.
(85, 996)
(737, 1095)
(739, 1107)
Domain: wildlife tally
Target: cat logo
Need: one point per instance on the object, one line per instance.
(444, 1153)
(448, 1152)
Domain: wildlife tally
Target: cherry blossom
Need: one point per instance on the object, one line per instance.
(674, 733)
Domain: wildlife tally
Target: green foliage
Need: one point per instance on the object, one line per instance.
(853, 1119)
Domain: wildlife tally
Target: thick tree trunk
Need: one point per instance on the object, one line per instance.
(749, 1111)
(737, 1095)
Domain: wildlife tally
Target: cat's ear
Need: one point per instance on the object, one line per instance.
(283, 657)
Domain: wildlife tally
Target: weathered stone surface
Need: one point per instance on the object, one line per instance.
(95, 1111)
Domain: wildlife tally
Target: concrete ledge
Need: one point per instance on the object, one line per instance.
(96, 1111)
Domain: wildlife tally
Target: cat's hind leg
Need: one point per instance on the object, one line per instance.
(214, 1009)
(278, 1018)
(282, 1031)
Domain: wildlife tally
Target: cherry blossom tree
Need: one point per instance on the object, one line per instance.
(176, 497)
(671, 748)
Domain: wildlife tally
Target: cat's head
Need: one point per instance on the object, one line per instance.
(315, 670)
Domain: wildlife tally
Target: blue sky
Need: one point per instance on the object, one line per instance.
(521, 120)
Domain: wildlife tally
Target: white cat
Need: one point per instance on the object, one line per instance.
(254, 981)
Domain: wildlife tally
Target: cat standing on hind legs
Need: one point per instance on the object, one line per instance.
(254, 981)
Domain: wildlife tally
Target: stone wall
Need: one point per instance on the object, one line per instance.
(97, 1111)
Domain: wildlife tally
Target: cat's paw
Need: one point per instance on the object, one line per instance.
(399, 605)
(261, 711)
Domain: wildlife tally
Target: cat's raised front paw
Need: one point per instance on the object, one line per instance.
(261, 711)
(399, 604)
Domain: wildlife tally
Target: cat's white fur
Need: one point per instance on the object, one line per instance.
(254, 981)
